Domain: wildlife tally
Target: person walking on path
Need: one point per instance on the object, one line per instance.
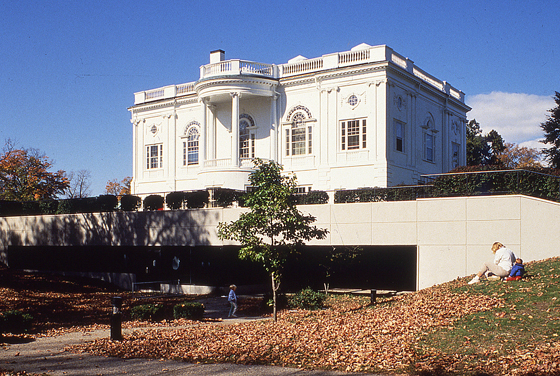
(503, 262)
(232, 299)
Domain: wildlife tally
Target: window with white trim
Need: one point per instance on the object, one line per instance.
(154, 156)
(299, 136)
(353, 134)
(429, 147)
(190, 147)
(246, 140)
(429, 138)
(302, 190)
(399, 136)
(455, 149)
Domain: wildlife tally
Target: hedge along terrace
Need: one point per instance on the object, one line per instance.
(216, 197)
(464, 181)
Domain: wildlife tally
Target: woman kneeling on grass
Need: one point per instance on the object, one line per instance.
(503, 261)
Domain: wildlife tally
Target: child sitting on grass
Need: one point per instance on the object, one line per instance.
(517, 271)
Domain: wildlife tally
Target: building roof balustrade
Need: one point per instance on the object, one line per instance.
(362, 54)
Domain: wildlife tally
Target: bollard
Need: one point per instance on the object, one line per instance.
(116, 319)
(373, 296)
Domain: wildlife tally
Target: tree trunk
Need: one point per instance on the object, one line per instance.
(275, 287)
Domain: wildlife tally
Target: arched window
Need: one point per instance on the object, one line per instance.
(246, 136)
(299, 133)
(246, 140)
(190, 147)
(429, 135)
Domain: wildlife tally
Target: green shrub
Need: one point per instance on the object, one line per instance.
(174, 200)
(196, 199)
(345, 196)
(107, 203)
(147, 312)
(224, 197)
(312, 198)
(153, 202)
(31, 207)
(307, 299)
(8, 208)
(15, 322)
(188, 310)
(48, 206)
(130, 203)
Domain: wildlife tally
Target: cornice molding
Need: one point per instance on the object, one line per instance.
(236, 80)
(333, 74)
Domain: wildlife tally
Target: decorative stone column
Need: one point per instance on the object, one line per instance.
(203, 139)
(235, 129)
(274, 128)
(211, 152)
(136, 153)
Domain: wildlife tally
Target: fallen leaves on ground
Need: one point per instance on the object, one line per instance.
(344, 337)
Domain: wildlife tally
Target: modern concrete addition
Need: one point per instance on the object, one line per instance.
(452, 235)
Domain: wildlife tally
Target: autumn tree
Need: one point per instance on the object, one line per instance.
(273, 228)
(483, 149)
(551, 130)
(515, 156)
(118, 188)
(79, 184)
(25, 175)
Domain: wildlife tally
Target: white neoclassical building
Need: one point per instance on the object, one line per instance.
(367, 117)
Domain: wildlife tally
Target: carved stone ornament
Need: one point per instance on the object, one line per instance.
(455, 127)
(353, 100)
(399, 102)
(153, 129)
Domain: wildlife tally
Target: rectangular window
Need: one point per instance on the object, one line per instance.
(455, 156)
(429, 147)
(343, 135)
(309, 139)
(301, 190)
(287, 142)
(298, 141)
(154, 156)
(192, 151)
(364, 134)
(353, 134)
(399, 136)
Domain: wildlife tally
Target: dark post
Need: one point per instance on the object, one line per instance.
(373, 296)
(116, 319)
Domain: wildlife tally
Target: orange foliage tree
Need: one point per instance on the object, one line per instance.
(515, 156)
(25, 176)
(118, 188)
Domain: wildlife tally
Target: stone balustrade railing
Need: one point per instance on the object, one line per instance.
(303, 66)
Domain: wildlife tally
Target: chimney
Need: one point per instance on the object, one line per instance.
(217, 56)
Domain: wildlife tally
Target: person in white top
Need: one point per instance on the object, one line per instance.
(503, 262)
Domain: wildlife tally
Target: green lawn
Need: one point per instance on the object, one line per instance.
(522, 332)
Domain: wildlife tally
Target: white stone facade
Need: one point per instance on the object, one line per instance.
(367, 117)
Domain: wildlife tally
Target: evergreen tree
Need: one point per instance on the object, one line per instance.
(483, 149)
(551, 130)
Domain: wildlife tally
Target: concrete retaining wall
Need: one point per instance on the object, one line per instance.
(453, 235)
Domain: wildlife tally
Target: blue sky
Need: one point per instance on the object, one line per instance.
(68, 69)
